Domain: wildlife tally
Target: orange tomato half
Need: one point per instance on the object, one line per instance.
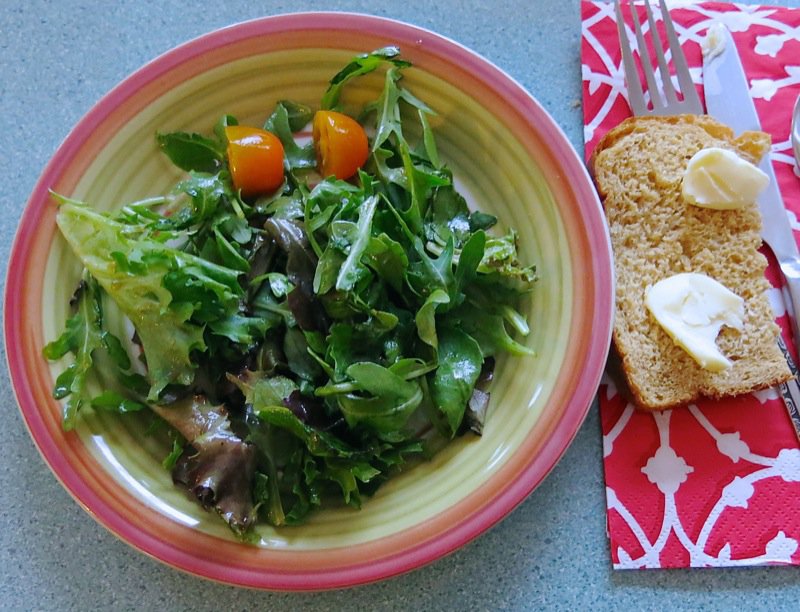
(255, 159)
(341, 144)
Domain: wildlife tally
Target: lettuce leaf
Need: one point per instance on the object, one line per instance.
(216, 466)
(168, 295)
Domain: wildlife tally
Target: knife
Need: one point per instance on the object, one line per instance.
(728, 100)
(791, 391)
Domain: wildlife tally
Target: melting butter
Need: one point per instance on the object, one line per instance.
(692, 308)
(720, 179)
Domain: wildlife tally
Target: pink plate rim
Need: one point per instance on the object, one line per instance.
(394, 555)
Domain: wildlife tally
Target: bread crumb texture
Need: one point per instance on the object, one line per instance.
(638, 168)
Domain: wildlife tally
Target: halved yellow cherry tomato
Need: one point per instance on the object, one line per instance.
(255, 159)
(340, 142)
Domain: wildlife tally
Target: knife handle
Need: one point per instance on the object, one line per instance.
(790, 390)
(790, 268)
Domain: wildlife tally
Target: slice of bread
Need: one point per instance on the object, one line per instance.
(638, 168)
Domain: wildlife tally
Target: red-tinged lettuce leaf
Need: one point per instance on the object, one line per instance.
(217, 466)
(301, 266)
(477, 407)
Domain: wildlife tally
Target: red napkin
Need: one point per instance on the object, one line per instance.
(717, 483)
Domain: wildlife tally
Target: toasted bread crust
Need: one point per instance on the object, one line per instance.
(638, 169)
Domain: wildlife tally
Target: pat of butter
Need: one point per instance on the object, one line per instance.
(692, 308)
(720, 179)
(714, 42)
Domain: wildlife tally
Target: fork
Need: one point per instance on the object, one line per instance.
(664, 100)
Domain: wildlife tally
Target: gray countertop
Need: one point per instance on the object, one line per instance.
(56, 60)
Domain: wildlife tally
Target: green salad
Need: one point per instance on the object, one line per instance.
(310, 315)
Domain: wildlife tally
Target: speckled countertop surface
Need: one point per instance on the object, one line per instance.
(56, 60)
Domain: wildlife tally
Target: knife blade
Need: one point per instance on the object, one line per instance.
(728, 99)
(727, 96)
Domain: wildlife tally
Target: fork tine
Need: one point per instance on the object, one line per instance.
(690, 96)
(663, 67)
(635, 96)
(664, 97)
(647, 64)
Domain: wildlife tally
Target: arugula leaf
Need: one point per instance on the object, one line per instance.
(295, 347)
(489, 330)
(205, 191)
(191, 151)
(389, 121)
(349, 272)
(219, 127)
(469, 259)
(299, 115)
(177, 450)
(360, 65)
(383, 414)
(280, 124)
(304, 474)
(460, 361)
(328, 270)
(348, 476)
(116, 351)
(229, 254)
(115, 402)
(428, 139)
(388, 259)
(348, 344)
(261, 390)
(387, 107)
(264, 305)
(82, 337)
(377, 380)
(390, 402)
(328, 200)
(429, 273)
(426, 317)
(241, 330)
(481, 221)
(319, 443)
(266, 494)
(448, 217)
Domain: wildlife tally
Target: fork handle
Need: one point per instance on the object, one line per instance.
(790, 267)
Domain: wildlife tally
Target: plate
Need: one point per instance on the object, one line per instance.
(509, 157)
